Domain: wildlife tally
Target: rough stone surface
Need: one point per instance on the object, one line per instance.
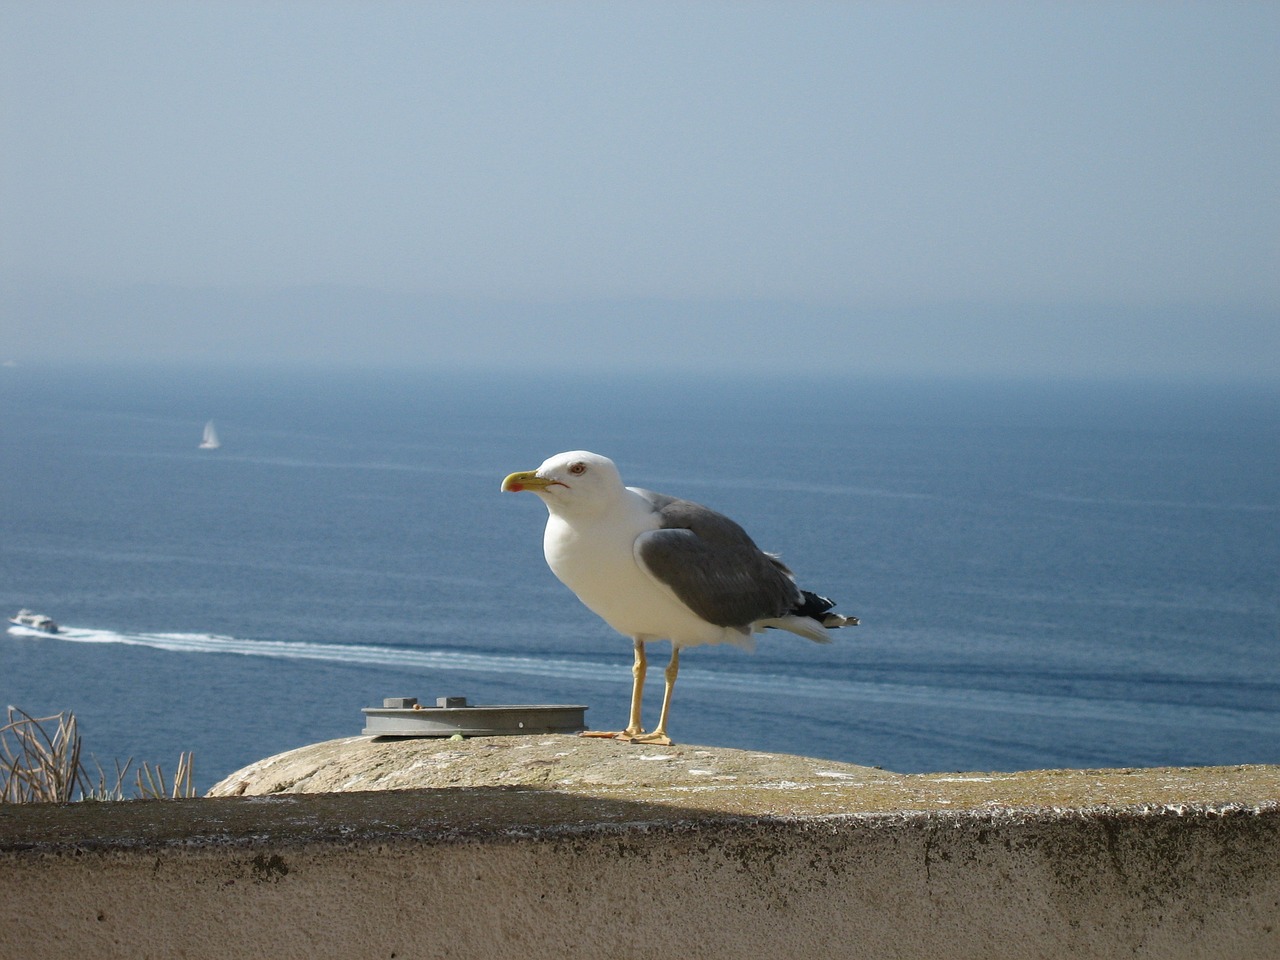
(730, 781)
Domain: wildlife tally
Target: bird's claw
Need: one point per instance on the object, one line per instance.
(630, 736)
(657, 739)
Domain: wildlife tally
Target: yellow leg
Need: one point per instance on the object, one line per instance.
(659, 734)
(638, 670)
(634, 729)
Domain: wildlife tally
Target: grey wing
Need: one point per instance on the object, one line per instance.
(713, 566)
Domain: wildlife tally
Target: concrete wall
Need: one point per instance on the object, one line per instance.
(536, 874)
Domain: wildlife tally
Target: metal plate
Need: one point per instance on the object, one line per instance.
(405, 717)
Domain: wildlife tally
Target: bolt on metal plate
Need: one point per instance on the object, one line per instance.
(406, 717)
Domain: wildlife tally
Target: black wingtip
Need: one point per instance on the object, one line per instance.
(812, 605)
(819, 608)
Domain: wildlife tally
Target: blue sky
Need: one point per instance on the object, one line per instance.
(1030, 188)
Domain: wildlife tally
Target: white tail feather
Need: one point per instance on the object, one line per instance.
(804, 626)
(837, 620)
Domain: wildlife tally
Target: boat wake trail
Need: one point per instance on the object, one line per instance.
(794, 688)
(356, 654)
(613, 671)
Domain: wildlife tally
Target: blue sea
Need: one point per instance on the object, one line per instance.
(1048, 575)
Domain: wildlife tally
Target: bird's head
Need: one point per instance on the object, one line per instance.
(577, 480)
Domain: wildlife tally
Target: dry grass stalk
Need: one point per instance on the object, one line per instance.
(39, 767)
(151, 783)
(109, 790)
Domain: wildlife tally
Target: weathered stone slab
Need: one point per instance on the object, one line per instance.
(738, 782)
(559, 847)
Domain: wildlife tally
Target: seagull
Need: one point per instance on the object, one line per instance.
(656, 567)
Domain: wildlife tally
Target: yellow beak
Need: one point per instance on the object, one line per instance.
(525, 480)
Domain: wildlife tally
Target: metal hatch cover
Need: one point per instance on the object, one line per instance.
(406, 717)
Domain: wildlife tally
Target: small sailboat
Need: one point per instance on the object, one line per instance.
(210, 441)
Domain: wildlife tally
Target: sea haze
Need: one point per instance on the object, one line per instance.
(1047, 575)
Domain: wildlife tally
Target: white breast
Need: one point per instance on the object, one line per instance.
(595, 558)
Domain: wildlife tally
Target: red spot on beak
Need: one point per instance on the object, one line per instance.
(516, 487)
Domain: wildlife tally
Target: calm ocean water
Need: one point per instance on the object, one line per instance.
(1068, 575)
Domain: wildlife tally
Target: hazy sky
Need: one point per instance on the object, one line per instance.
(1023, 187)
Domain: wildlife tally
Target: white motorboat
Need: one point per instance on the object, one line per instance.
(36, 621)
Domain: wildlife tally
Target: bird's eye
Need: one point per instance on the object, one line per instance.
(578, 469)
